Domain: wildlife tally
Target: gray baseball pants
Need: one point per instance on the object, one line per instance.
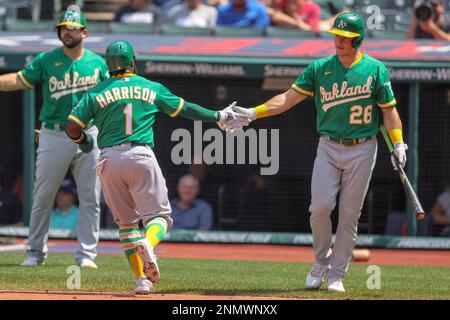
(133, 184)
(55, 155)
(345, 170)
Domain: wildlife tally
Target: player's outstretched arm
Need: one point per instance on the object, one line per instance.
(78, 136)
(225, 118)
(11, 82)
(274, 106)
(175, 106)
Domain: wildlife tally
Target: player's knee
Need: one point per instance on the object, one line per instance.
(322, 208)
(349, 216)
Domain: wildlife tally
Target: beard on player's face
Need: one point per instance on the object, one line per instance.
(71, 38)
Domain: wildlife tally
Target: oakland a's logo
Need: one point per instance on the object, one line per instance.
(342, 24)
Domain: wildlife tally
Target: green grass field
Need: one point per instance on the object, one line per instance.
(214, 277)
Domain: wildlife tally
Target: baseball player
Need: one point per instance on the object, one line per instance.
(350, 89)
(124, 109)
(65, 74)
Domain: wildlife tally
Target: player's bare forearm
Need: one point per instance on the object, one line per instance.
(11, 82)
(391, 119)
(279, 104)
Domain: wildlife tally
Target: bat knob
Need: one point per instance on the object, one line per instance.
(421, 216)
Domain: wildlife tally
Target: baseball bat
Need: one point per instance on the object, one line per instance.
(410, 193)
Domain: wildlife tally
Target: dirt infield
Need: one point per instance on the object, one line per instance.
(298, 254)
(255, 252)
(61, 295)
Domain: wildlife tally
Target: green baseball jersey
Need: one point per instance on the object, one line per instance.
(63, 80)
(347, 99)
(124, 109)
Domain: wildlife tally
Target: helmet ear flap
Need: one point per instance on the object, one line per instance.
(357, 42)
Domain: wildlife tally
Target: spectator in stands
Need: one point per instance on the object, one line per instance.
(302, 14)
(436, 27)
(65, 215)
(139, 11)
(254, 203)
(189, 212)
(244, 14)
(193, 13)
(441, 212)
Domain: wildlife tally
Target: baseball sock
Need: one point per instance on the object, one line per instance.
(156, 230)
(129, 235)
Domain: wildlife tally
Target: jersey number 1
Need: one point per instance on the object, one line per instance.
(360, 115)
(128, 111)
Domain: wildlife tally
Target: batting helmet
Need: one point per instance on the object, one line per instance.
(349, 25)
(119, 55)
(72, 18)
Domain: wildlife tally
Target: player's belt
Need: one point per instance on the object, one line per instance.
(60, 127)
(54, 126)
(347, 142)
(131, 144)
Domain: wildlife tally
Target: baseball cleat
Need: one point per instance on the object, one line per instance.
(143, 286)
(335, 285)
(31, 261)
(87, 263)
(145, 251)
(314, 279)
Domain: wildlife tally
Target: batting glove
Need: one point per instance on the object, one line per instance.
(249, 113)
(400, 153)
(231, 121)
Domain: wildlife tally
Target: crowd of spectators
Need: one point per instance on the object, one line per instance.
(259, 14)
(412, 19)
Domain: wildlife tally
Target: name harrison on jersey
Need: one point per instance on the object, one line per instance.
(130, 92)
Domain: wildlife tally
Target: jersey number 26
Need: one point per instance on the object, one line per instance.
(361, 115)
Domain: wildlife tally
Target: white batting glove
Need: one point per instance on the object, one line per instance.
(231, 121)
(249, 113)
(400, 152)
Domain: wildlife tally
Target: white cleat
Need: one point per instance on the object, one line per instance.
(314, 279)
(31, 261)
(335, 285)
(145, 251)
(143, 286)
(87, 263)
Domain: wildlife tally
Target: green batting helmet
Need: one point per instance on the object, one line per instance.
(349, 25)
(72, 18)
(119, 55)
